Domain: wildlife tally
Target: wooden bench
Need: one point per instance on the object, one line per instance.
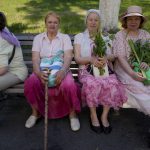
(26, 41)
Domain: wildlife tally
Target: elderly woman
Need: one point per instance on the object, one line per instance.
(63, 99)
(138, 94)
(12, 67)
(105, 91)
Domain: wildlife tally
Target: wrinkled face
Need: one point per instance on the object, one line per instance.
(52, 24)
(93, 22)
(133, 22)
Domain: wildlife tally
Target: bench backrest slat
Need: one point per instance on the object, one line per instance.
(28, 43)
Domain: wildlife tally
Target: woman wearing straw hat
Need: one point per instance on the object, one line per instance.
(62, 99)
(138, 94)
(105, 91)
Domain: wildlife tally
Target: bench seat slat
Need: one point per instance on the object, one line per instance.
(25, 37)
(20, 85)
(15, 90)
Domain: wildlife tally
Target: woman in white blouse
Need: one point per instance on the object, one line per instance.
(63, 98)
(105, 91)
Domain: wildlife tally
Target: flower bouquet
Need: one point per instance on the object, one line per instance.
(99, 50)
(140, 52)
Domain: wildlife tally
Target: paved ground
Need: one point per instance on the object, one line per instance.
(129, 130)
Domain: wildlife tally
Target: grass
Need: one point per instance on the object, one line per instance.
(27, 16)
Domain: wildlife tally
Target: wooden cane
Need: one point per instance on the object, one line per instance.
(46, 114)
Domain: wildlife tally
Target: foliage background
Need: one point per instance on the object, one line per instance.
(27, 16)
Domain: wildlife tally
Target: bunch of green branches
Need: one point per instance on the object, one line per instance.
(99, 48)
(140, 52)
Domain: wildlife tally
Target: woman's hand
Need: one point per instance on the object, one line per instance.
(110, 57)
(144, 66)
(98, 61)
(60, 75)
(43, 75)
(3, 70)
(138, 76)
(103, 61)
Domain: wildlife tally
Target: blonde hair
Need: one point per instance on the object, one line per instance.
(52, 14)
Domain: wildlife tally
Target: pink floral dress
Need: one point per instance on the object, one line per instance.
(106, 91)
(138, 94)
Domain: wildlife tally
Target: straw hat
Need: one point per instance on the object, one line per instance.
(133, 11)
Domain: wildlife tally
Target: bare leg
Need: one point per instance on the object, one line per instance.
(35, 112)
(104, 116)
(31, 121)
(93, 115)
(72, 114)
(74, 121)
(94, 122)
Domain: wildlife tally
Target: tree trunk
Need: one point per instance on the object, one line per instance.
(109, 10)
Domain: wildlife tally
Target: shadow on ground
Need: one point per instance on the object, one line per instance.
(129, 130)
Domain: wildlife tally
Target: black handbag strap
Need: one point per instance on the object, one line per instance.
(12, 56)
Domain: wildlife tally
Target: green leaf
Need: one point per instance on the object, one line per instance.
(100, 46)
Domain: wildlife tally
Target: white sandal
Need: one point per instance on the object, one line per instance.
(31, 121)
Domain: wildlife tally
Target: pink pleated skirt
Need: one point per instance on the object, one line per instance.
(61, 99)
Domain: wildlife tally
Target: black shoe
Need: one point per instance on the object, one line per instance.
(107, 130)
(96, 129)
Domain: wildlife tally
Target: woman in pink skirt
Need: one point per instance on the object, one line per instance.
(105, 91)
(62, 99)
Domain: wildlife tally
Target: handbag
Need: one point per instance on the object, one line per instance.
(13, 53)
